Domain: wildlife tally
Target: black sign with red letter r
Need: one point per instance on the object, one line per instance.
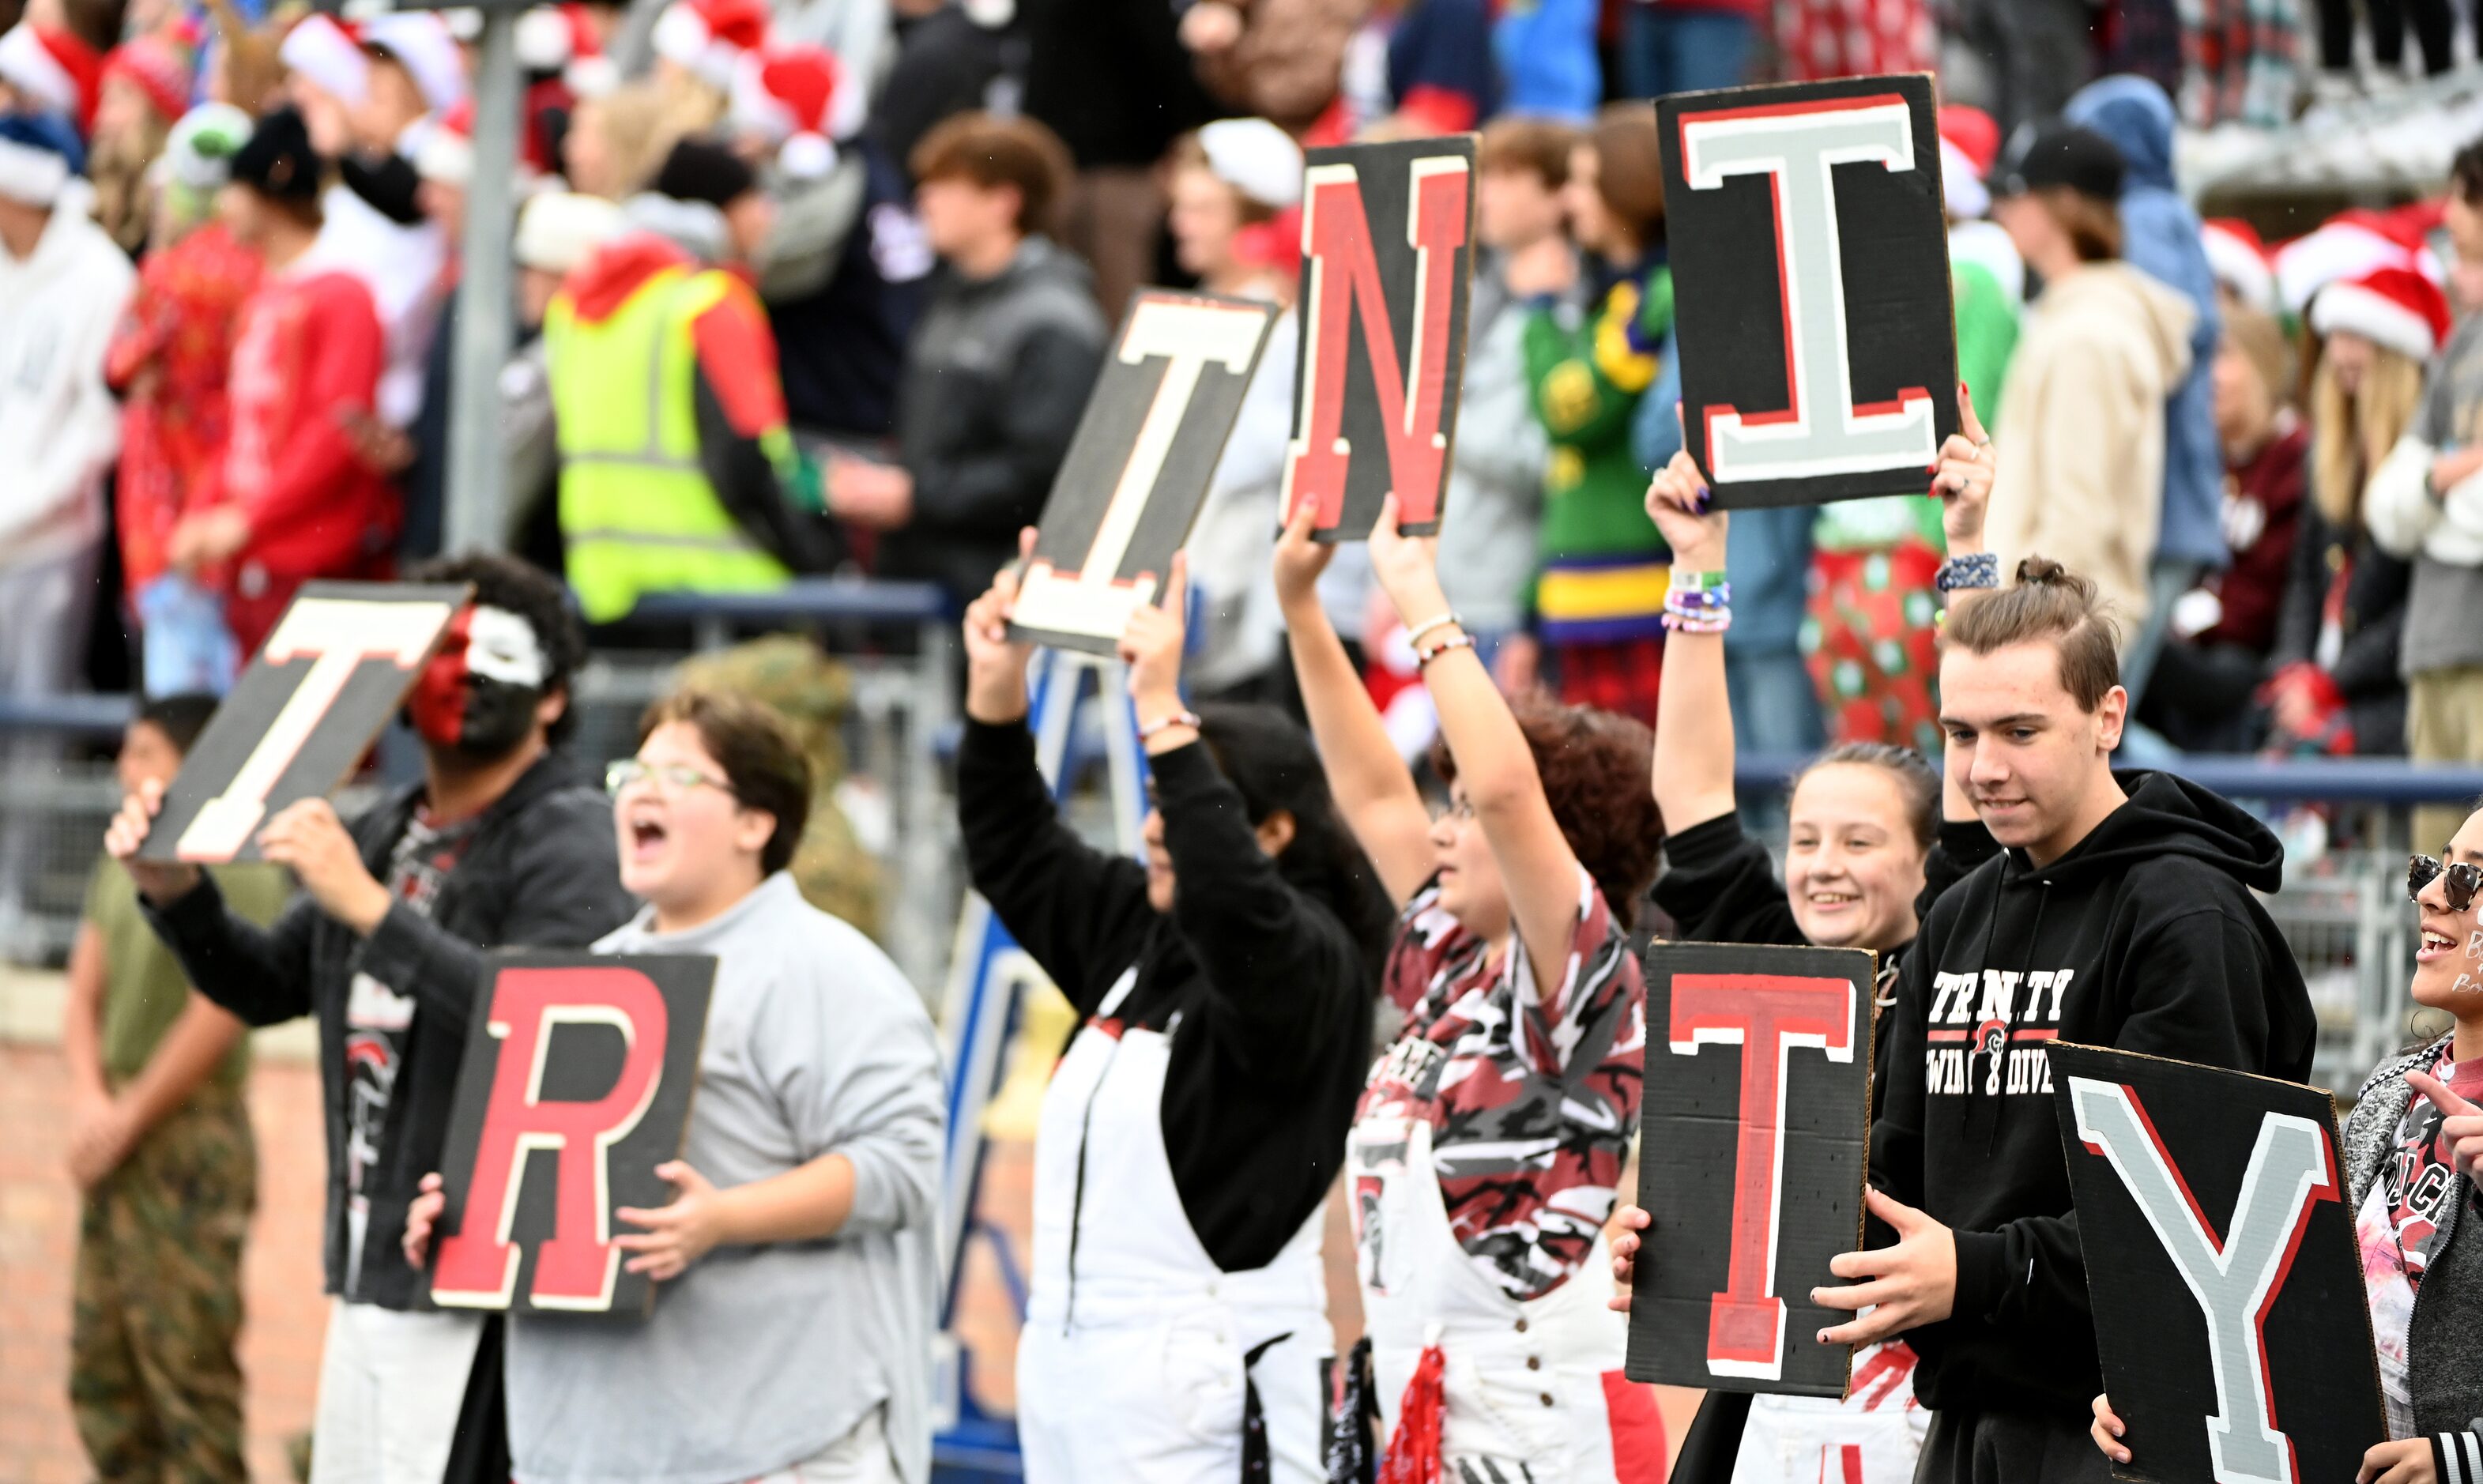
(1758, 1120)
(575, 1085)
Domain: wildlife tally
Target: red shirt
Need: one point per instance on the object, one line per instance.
(178, 333)
(306, 362)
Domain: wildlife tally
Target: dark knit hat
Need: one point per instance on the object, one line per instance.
(700, 169)
(278, 161)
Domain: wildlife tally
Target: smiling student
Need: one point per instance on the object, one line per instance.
(2411, 1150)
(791, 1338)
(2119, 914)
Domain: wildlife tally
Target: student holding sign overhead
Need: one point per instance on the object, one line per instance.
(1177, 1325)
(1866, 838)
(2411, 1151)
(1491, 1132)
(500, 845)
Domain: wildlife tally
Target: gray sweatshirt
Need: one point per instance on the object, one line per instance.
(758, 1357)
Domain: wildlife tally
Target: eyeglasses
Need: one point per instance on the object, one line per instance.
(680, 778)
(2464, 880)
(1461, 811)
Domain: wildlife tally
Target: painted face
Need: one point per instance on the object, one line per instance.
(1853, 867)
(477, 697)
(2449, 958)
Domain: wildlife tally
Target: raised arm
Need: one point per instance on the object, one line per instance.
(1495, 766)
(1693, 718)
(1372, 786)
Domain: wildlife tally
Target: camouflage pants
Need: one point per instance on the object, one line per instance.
(153, 1380)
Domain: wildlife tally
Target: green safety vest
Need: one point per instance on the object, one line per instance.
(637, 512)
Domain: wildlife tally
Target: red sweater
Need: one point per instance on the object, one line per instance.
(308, 357)
(2262, 514)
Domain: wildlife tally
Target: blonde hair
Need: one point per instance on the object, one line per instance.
(2351, 434)
(124, 201)
(689, 105)
(631, 123)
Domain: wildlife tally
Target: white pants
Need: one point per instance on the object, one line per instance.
(858, 1457)
(44, 608)
(390, 1385)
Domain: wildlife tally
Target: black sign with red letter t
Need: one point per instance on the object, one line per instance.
(1139, 467)
(1812, 210)
(337, 667)
(575, 1085)
(2223, 1269)
(1387, 269)
(1758, 1121)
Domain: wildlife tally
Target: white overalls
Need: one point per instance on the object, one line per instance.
(1871, 1437)
(1138, 1350)
(1523, 1393)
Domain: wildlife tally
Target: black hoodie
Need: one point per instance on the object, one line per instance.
(2144, 937)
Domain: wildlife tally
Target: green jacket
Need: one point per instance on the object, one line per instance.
(1603, 562)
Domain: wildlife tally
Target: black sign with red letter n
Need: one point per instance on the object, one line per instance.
(1757, 1121)
(2221, 1268)
(1387, 270)
(575, 1085)
(1139, 465)
(337, 667)
(1810, 278)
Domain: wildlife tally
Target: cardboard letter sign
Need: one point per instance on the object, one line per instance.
(1811, 210)
(587, 1060)
(2221, 1269)
(1140, 465)
(1387, 266)
(336, 669)
(1757, 1118)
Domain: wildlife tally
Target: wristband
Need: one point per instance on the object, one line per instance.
(1414, 635)
(1148, 730)
(1684, 581)
(1968, 570)
(1423, 657)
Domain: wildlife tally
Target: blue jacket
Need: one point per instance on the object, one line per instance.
(1546, 51)
(2160, 238)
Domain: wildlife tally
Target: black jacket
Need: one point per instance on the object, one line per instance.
(541, 871)
(1273, 998)
(2144, 937)
(995, 382)
(2372, 625)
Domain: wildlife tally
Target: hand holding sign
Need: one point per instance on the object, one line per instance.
(994, 662)
(1964, 479)
(2461, 1128)
(1631, 1220)
(2408, 1462)
(158, 880)
(1152, 642)
(308, 837)
(1912, 1283)
(1684, 511)
(678, 1235)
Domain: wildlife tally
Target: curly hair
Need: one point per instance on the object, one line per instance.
(1594, 766)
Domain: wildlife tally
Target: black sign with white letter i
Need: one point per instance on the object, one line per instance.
(2221, 1269)
(1138, 466)
(1814, 210)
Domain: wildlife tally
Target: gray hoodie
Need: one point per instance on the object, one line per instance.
(757, 1357)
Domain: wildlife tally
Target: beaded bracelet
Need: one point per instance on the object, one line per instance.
(1414, 635)
(1423, 657)
(1968, 569)
(1718, 596)
(1149, 729)
(1714, 621)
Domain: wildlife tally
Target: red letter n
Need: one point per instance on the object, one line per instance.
(1766, 1016)
(576, 1266)
(1344, 275)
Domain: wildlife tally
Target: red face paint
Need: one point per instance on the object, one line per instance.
(437, 704)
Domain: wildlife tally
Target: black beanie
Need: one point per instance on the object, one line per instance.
(701, 170)
(277, 162)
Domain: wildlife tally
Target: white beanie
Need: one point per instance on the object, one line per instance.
(1255, 158)
(558, 229)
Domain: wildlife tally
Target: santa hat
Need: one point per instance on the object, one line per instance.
(37, 158)
(446, 153)
(560, 39)
(1975, 134)
(2238, 260)
(419, 42)
(2348, 246)
(2396, 308)
(154, 67)
(706, 38)
(1961, 188)
(1255, 158)
(54, 68)
(560, 229)
(326, 55)
(788, 96)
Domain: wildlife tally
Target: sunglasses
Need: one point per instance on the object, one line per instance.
(2464, 880)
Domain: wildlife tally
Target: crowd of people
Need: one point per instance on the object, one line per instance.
(827, 291)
